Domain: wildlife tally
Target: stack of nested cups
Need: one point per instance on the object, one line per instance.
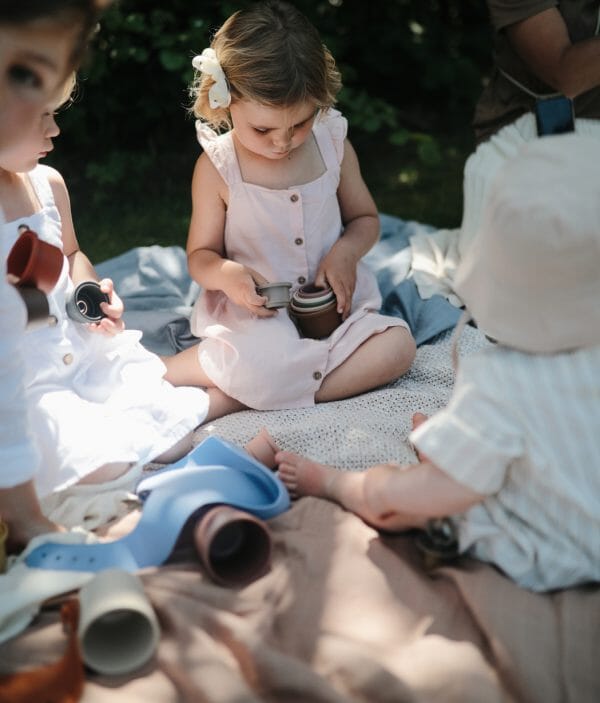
(314, 310)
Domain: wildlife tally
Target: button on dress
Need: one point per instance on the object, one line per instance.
(283, 234)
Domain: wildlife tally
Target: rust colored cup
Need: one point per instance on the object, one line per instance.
(35, 263)
(318, 323)
(234, 546)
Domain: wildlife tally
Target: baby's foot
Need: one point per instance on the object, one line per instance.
(418, 419)
(263, 448)
(304, 477)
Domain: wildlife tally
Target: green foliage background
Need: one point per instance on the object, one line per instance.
(412, 71)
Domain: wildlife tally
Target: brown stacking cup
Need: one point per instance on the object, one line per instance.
(234, 546)
(318, 323)
(35, 263)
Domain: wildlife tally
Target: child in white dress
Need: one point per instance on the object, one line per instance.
(279, 197)
(514, 457)
(98, 405)
(40, 43)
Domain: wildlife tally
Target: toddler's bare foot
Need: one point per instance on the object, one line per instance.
(263, 448)
(418, 419)
(304, 477)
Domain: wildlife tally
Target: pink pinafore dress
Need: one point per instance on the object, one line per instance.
(284, 235)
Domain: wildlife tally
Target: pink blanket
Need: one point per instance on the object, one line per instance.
(347, 615)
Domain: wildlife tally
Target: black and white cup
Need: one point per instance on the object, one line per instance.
(84, 304)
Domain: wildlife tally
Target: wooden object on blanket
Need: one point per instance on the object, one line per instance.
(59, 682)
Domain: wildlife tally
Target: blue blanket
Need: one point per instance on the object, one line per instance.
(158, 292)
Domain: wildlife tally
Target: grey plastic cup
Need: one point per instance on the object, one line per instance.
(277, 294)
(118, 630)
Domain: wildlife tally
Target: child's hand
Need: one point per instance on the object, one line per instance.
(113, 323)
(338, 268)
(240, 288)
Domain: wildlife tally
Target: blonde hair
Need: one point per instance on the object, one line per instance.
(66, 93)
(270, 54)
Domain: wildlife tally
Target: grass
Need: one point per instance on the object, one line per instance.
(157, 211)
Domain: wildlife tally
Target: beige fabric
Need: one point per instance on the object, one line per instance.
(530, 279)
(437, 255)
(349, 616)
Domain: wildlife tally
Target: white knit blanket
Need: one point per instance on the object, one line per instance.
(357, 432)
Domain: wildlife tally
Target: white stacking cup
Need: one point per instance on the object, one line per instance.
(118, 630)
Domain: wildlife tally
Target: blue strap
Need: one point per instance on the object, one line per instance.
(171, 497)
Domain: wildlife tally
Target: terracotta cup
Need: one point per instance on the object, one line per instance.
(234, 546)
(314, 311)
(118, 630)
(34, 262)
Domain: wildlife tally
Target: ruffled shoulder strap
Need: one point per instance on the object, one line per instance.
(220, 150)
(330, 130)
(39, 180)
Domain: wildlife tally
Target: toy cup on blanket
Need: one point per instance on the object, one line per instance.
(234, 546)
(118, 630)
(277, 294)
(84, 305)
(314, 310)
(34, 266)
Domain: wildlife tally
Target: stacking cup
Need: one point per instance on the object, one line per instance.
(234, 546)
(34, 262)
(118, 630)
(36, 266)
(84, 304)
(314, 310)
(277, 294)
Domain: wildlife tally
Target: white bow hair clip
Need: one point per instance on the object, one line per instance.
(218, 93)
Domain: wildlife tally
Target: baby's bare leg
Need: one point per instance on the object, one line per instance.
(378, 360)
(365, 493)
(305, 477)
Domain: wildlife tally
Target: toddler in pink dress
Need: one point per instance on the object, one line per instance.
(279, 197)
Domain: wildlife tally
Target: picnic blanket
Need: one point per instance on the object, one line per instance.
(345, 615)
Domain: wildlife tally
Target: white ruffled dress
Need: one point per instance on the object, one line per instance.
(93, 399)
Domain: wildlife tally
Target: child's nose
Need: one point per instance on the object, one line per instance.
(52, 129)
(284, 138)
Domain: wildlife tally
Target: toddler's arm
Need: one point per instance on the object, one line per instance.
(80, 267)
(361, 232)
(205, 246)
(20, 510)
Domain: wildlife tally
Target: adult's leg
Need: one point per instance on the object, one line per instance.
(378, 360)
